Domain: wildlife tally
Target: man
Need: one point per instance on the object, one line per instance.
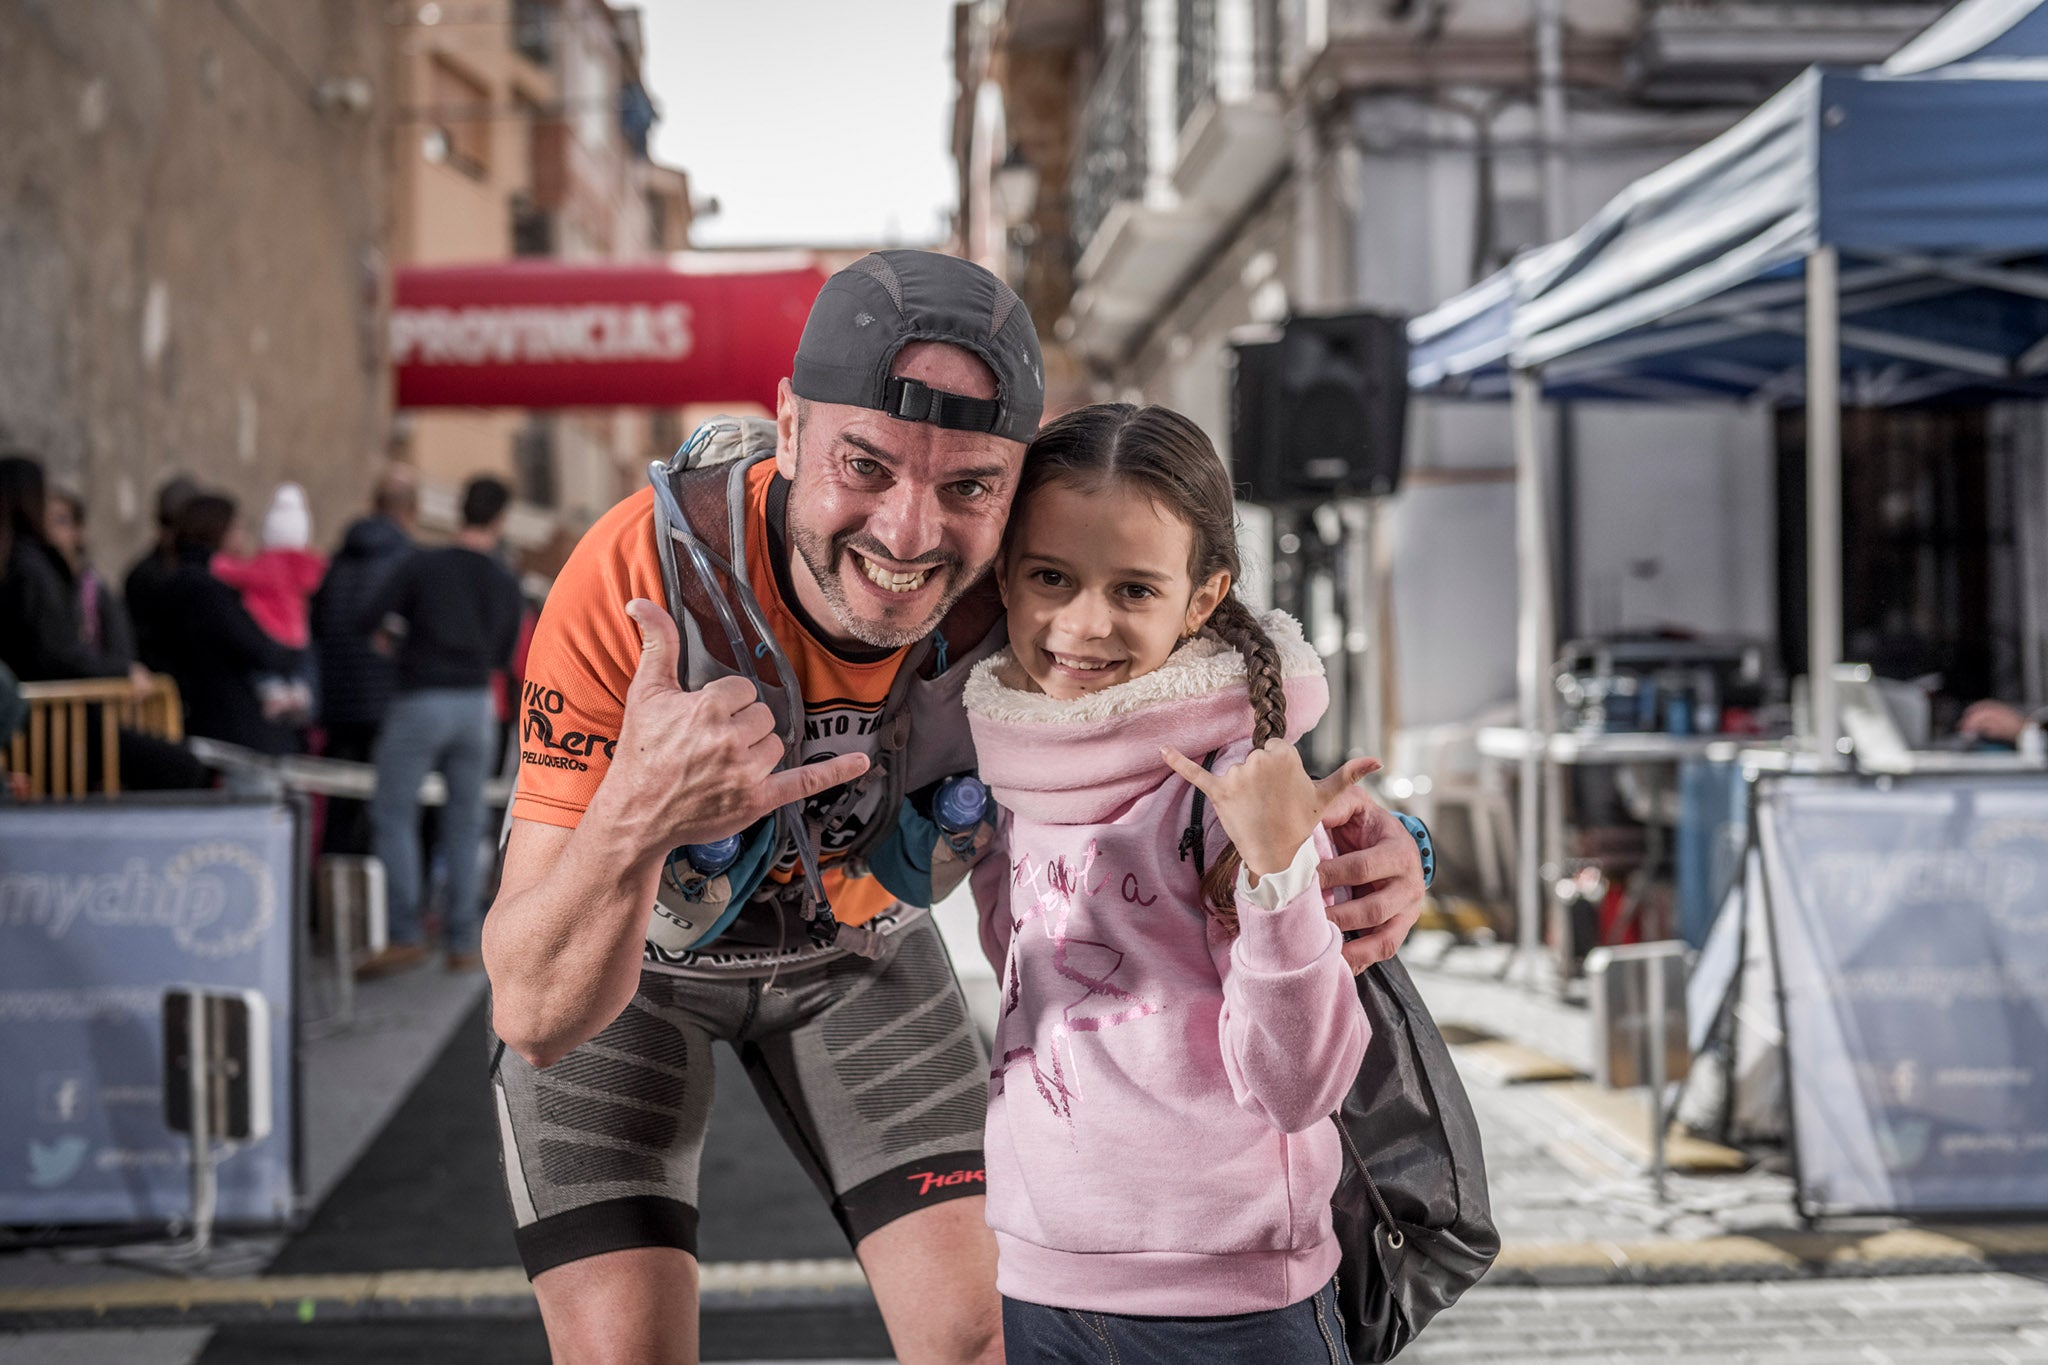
(356, 682)
(897, 446)
(451, 617)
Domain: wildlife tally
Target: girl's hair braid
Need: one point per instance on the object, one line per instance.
(1170, 458)
(1235, 625)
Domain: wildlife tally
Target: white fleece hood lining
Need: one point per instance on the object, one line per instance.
(1202, 666)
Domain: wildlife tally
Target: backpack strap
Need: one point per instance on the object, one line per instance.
(1192, 840)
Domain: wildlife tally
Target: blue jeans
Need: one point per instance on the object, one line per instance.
(1305, 1333)
(446, 730)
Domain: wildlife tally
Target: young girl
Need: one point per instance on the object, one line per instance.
(1169, 1044)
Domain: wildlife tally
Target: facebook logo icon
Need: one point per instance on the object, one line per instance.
(60, 1097)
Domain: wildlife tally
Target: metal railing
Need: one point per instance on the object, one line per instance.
(1229, 50)
(1113, 160)
(53, 750)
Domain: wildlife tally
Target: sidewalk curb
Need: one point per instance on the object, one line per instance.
(1926, 1250)
(758, 1285)
(728, 1287)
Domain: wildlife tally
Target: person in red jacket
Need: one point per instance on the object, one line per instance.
(276, 583)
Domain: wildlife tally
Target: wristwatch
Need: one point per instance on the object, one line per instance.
(1420, 832)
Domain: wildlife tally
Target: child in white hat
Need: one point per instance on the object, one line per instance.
(277, 583)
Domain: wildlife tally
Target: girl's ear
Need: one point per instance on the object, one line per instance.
(1207, 598)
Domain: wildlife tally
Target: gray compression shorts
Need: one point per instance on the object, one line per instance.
(872, 1071)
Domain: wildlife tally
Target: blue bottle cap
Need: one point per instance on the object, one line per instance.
(961, 804)
(714, 858)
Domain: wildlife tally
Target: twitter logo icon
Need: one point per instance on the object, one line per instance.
(50, 1166)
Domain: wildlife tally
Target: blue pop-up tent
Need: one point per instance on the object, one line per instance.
(1931, 187)
(1876, 234)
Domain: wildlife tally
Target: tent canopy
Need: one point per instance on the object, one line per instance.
(1932, 185)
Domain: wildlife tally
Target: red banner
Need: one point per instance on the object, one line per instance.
(544, 334)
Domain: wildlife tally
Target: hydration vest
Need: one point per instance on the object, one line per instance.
(922, 732)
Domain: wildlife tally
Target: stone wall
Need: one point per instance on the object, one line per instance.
(192, 212)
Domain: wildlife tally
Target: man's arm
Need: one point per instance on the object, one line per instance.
(562, 941)
(1378, 862)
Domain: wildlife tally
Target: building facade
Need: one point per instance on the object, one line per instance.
(193, 211)
(521, 131)
(1216, 165)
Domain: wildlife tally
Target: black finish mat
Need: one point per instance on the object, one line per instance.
(791, 1334)
(426, 1194)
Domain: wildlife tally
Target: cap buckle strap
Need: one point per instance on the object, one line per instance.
(915, 401)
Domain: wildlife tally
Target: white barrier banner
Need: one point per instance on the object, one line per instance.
(101, 908)
(1911, 928)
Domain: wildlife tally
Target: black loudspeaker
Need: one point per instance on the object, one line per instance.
(1322, 411)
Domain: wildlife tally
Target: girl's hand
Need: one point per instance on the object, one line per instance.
(1268, 804)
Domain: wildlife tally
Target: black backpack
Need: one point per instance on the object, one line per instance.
(1415, 1224)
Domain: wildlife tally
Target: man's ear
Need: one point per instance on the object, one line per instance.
(1207, 598)
(786, 429)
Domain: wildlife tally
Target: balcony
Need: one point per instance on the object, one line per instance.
(1408, 45)
(1115, 160)
(1740, 51)
(1182, 130)
(1233, 123)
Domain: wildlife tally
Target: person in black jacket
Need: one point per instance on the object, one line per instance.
(42, 635)
(356, 682)
(103, 618)
(451, 616)
(143, 589)
(210, 643)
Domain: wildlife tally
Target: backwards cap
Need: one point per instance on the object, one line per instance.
(869, 311)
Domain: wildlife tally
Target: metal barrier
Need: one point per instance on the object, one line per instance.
(51, 750)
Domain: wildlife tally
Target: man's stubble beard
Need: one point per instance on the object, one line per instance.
(823, 558)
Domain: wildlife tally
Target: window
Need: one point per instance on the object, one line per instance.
(533, 29)
(459, 108)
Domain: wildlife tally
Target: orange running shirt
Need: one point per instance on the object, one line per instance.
(586, 648)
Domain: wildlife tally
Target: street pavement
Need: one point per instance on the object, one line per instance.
(1595, 1268)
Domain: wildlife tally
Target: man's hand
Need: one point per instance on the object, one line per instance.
(694, 767)
(1377, 860)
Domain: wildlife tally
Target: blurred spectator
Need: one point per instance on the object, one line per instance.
(42, 637)
(41, 634)
(356, 682)
(143, 588)
(276, 583)
(452, 617)
(103, 620)
(211, 644)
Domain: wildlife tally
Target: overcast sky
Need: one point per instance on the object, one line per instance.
(811, 121)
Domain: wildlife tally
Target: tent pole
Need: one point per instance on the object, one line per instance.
(1535, 651)
(1823, 493)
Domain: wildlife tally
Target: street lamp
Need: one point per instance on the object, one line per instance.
(1016, 188)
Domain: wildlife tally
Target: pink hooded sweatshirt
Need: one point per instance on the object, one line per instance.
(1158, 1137)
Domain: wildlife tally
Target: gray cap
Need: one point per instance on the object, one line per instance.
(869, 311)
